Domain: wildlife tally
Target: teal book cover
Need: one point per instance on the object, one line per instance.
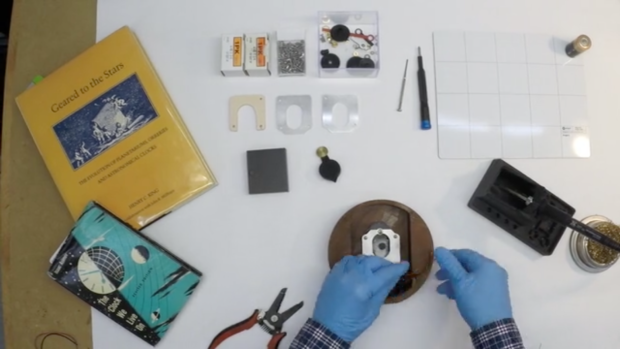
(123, 274)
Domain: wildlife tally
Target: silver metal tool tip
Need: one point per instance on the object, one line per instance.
(419, 51)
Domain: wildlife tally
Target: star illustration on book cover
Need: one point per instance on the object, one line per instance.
(105, 121)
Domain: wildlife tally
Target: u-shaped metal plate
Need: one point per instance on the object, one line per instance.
(283, 103)
(350, 102)
(257, 102)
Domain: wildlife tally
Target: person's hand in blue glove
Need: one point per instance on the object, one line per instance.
(478, 284)
(353, 293)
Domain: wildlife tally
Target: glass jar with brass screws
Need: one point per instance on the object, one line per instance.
(589, 255)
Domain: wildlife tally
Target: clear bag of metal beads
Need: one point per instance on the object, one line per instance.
(291, 52)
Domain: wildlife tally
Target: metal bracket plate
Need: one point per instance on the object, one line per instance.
(384, 243)
(282, 105)
(350, 102)
(257, 102)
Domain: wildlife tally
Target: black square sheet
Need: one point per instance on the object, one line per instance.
(267, 171)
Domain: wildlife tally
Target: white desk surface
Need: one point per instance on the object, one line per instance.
(251, 246)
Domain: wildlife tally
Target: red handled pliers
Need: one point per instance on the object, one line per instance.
(270, 321)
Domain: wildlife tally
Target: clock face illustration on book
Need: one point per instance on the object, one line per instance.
(101, 270)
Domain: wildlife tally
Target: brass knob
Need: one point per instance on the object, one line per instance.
(322, 152)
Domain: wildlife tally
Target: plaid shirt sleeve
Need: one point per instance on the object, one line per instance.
(316, 336)
(502, 334)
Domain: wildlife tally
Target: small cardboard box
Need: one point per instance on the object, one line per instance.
(233, 55)
(257, 51)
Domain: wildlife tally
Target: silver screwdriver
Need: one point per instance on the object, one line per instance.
(402, 88)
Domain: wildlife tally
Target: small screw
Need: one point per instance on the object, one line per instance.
(274, 318)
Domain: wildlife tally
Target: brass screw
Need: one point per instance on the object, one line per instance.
(322, 152)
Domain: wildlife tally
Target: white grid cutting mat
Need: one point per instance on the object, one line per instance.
(503, 95)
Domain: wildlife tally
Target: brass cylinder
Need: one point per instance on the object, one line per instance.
(578, 46)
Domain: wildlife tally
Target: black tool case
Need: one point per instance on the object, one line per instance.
(494, 200)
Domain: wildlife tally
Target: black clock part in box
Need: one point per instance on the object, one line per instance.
(514, 202)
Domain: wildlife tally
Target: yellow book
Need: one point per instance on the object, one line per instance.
(108, 132)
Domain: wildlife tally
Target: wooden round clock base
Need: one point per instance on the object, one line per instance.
(416, 243)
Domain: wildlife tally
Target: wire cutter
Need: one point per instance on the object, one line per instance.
(270, 321)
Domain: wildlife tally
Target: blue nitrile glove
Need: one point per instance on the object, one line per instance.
(478, 284)
(353, 293)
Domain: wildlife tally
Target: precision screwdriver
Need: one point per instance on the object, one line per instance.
(402, 88)
(424, 111)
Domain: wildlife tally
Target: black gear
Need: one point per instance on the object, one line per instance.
(340, 33)
(354, 62)
(330, 60)
(367, 63)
